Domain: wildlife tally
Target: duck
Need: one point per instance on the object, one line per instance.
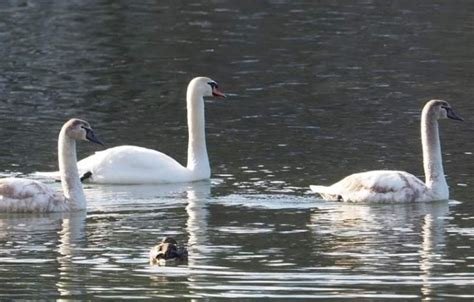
(127, 164)
(28, 196)
(386, 186)
(166, 251)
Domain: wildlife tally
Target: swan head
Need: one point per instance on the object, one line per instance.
(80, 130)
(206, 87)
(441, 110)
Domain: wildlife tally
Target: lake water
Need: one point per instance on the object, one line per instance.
(317, 90)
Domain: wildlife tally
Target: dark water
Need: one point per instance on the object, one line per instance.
(317, 90)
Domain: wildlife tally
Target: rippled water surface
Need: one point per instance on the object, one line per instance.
(317, 90)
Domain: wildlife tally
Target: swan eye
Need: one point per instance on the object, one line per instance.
(213, 85)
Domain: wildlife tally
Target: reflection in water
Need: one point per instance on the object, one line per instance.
(66, 231)
(381, 237)
(197, 229)
(72, 240)
(196, 223)
(146, 192)
(432, 246)
(197, 195)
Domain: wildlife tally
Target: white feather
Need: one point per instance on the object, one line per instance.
(131, 165)
(138, 165)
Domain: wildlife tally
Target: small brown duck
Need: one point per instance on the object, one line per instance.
(168, 250)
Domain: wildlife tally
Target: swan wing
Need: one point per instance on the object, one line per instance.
(25, 195)
(375, 186)
(131, 165)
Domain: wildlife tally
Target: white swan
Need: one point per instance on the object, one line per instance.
(399, 186)
(138, 165)
(25, 195)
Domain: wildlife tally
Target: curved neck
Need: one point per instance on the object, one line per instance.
(198, 161)
(432, 159)
(70, 181)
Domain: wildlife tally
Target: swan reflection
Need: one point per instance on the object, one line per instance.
(387, 238)
(72, 240)
(197, 223)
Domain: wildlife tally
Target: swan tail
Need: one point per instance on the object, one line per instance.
(326, 193)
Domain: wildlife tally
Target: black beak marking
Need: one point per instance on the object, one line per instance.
(90, 135)
(452, 114)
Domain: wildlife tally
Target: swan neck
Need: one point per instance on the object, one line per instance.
(432, 159)
(70, 181)
(198, 161)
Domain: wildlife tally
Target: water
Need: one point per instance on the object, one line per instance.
(316, 91)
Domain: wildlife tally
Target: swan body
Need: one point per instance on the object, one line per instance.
(132, 164)
(376, 186)
(138, 165)
(399, 186)
(25, 195)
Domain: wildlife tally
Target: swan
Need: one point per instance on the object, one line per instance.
(400, 186)
(138, 165)
(26, 195)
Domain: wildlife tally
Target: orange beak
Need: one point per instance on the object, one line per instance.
(216, 92)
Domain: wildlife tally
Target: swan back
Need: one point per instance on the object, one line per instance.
(375, 186)
(25, 195)
(132, 165)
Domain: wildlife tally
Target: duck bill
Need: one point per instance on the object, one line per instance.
(216, 92)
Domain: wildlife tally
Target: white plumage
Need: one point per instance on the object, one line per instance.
(131, 165)
(138, 165)
(399, 186)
